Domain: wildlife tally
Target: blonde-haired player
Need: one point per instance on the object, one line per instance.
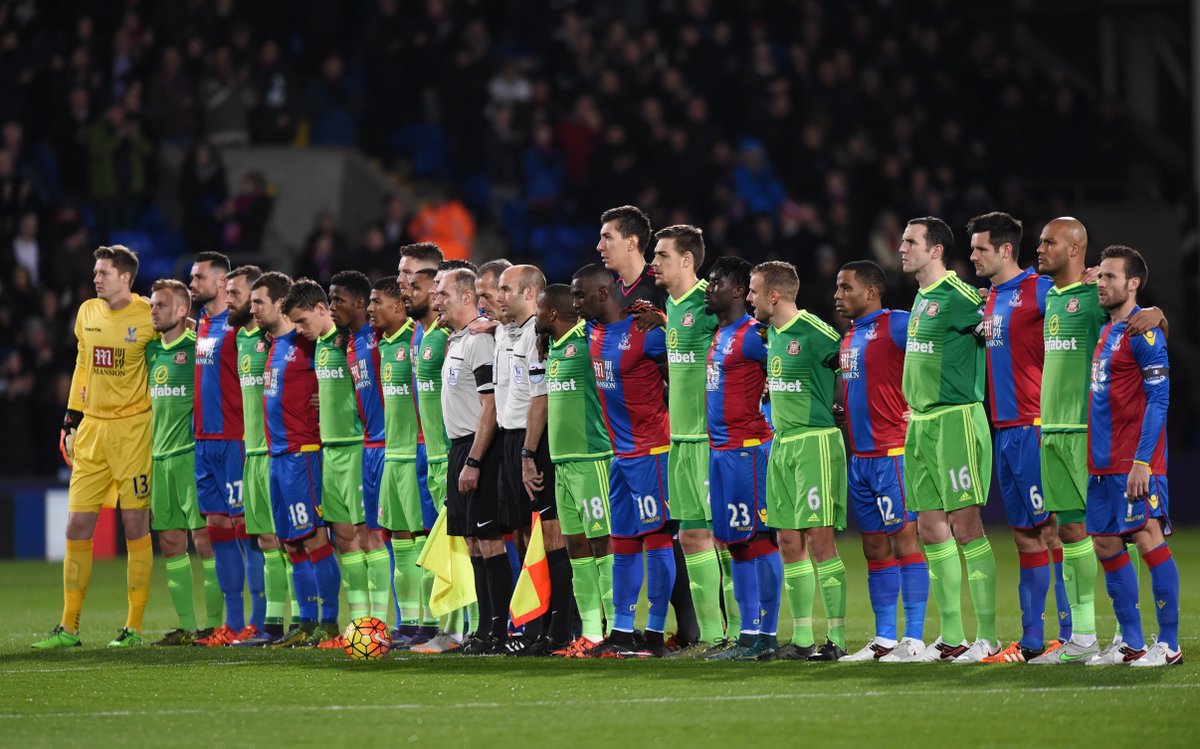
(106, 440)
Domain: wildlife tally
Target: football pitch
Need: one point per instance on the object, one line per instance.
(182, 697)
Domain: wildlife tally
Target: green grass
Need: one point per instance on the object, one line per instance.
(198, 697)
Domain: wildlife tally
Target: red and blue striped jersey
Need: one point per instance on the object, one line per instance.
(736, 374)
(218, 413)
(626, 362)
(871, 370)
(1013, 322)
(362, 358)
(289, 386)
(1127, 410)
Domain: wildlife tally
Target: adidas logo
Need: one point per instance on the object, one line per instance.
(978, 575)
(596, 527)
(813, 518)
(831, 582)
(966, 497)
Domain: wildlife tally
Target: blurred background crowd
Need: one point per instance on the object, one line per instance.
(787, 129)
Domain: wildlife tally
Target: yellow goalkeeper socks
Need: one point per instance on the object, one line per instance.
(140, 563)
(77, 572)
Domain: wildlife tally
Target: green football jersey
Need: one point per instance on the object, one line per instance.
(253, 348)
(429, 390)
(944, 361)
(690, 332)
(802, 359)
(574, 417)
(338, 411)
(172, 385)
(399, 405)
(1071, 328)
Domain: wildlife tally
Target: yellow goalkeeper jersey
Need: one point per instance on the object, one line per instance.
(110, 380)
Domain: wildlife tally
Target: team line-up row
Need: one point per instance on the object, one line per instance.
(657, 425)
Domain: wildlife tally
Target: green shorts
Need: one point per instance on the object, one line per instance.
(256, 494)
(1064, 471)
(581, 497)
(341, 484)
(400, 496)
(435, 482)
(687, 484)
(948, 459)
(173, 503)
(806, 480)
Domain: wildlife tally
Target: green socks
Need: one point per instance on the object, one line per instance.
(1079, 576)
(275, 583)
(981, 580)
(179, 583)
(704, 580)
(733, 616)
(214, 601)
(427, 578)
(408, 580)
(831, 577)
(354, 582)
(945, 582)
(379, 583)
(604, 567)
(585, 583)
(798, 588)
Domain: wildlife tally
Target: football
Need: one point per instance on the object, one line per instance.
(367, 639)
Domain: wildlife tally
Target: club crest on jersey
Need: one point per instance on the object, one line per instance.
(932, 309)
(727, 349)
(290, 356)
(872, 332)
(260, 347)
(625, 343)
(427, 354)
(793, 347)
(1073, 304)
(131, 336)
(181, 357)
(570, 351)
(688, 320)
(400, 354)
(338, 340)
(1015, 299)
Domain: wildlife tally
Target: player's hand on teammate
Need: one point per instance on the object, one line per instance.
(1137, 485)
(648, 317)
(839, 415)
(1145, 320)
(483, 325)
(66, 438)
(468, 480)
(1090, 275)
(531, 477)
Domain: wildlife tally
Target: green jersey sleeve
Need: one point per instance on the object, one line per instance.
(429, 361)
(1070, 331)
(944, 361)
(171, 368)
(690, 332)
(399, 401)
(338, 410)
(574, 416)
(253, 349)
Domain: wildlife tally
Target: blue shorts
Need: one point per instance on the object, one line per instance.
(1109, 513)
(875, 488)
(219, 476)
(1018, 454)
(737, 492)
(638, 495)
(372, 474)
(296, 494)
(429, 513)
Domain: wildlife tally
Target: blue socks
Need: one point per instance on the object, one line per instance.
(329, 582)
(1121, 580)
(746, 593)
(1061, 602)
(304, 578)
(883, 588)
(254, 576)
(1164, 581)
(660, 580)
(914, 590)
(627, 584)
(770, 587)
(231, 574)
(1033, 586)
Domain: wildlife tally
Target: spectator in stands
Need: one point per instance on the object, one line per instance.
(26, 251)
(755, 180)
(118, 153)
(202, 196)
(246, 216)
(544, 171)
(275, 95)
(445, 221)
(226, 98)
(393, 223)
(336, 102)
(372, 256)
(171, 98)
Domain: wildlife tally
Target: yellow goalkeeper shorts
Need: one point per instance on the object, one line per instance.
(112, 464)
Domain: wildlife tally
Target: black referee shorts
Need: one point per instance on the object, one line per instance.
(510, 476)
(478, 513)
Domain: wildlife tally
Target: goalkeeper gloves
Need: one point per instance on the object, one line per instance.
(66, 437)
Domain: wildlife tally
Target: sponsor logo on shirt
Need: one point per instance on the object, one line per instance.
(848, 363)
(605, 374)
(160, 375)
(781, 386)
(556, 386)
(919, 347)
(107, 360)
(676, 357)
(1061, 344)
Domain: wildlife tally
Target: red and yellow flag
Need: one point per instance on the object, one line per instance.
(531, 597)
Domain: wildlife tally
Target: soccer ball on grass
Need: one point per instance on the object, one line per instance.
(367, 639)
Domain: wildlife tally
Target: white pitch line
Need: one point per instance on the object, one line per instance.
(557, 703)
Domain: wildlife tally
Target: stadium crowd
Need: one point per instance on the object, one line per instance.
(797, 130)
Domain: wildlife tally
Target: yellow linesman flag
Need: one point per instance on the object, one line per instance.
(531, 597)
(447, 558)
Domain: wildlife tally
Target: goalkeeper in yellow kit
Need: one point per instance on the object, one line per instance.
(106, 440)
